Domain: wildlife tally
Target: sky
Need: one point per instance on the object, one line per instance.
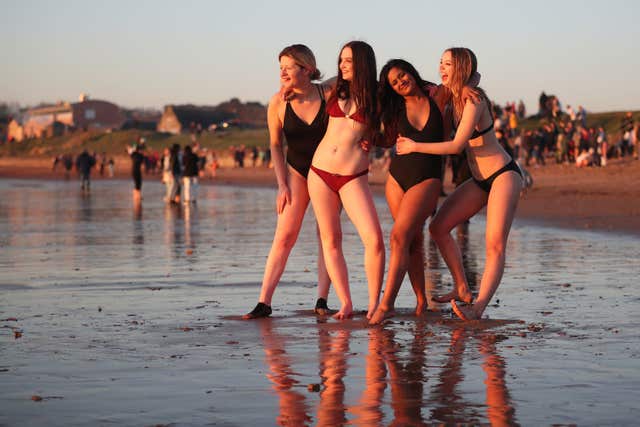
(149, 53)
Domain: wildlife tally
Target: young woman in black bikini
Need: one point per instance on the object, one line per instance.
(339, 174)
(302, 119)
(496, 183)
(414, 182)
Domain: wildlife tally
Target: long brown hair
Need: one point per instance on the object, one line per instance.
(464, 65)
(363, 86)
(302, 56)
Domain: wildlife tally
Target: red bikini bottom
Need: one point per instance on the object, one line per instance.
(335, 181)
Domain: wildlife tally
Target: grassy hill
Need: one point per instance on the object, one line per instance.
(610, 121)
(115, 143)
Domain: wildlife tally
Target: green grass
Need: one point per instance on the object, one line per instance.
(610, 121)
(115, 143)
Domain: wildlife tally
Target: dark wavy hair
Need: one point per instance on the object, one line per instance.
(363, 87)
(391, 105)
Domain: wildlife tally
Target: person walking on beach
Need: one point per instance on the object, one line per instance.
(302, 120)
(84, 163)
(339, 174)
(189, 175)
(496, 183)
(137, 159)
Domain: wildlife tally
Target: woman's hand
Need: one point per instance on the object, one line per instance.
(365, 145)
(283, 198)
(285, 93)
(405, 145)
(472, 94)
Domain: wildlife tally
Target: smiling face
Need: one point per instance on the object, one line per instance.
(446, 67)
(292, 75)
(401, 82)
(346, 64)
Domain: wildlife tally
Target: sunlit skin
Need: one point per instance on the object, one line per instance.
(339, 152)
(409, 209)
(292, 199)
(485, 156)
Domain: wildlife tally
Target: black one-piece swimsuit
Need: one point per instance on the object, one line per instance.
(302, 138)
(411, 169)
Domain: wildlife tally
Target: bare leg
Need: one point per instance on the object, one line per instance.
(501, 208)
(326, 205)
(461, 205)
(358, 204)
(286, 234)
(411, 212)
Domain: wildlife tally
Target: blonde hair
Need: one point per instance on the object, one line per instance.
(464, 65)
(302, 56)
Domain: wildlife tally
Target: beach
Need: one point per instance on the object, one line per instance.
(113, 313)
(562, 195)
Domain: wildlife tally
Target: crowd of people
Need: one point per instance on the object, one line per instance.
(565, 136)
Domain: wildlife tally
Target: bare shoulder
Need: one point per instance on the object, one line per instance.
(276, 100)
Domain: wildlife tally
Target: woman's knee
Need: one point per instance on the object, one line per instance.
(285, 240)
(374, 242)
(399, 238)
(495, 248)
(438, 229)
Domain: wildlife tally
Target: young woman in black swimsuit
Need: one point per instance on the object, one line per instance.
(302, 119)
(414, 182)
(496, 183)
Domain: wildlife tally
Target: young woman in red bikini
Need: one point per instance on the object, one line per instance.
(339, 174)
(302, 119)
(496, 184)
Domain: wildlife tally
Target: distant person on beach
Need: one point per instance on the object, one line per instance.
(189, 176)
(496, 183)
(167, 174)
(301, 119)
(84, 163)
(137, 159)
(415, 180)
(67, 162)
(339, 174)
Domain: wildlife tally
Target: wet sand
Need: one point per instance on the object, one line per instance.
(605, 199)
(112, 313)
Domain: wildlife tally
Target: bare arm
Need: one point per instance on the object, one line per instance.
(277, 151)
(470, 117)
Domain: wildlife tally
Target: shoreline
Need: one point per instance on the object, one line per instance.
(590, 199)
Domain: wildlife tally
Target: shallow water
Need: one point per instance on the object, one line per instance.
(128, 316)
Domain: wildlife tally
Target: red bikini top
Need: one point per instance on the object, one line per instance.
(334, 110)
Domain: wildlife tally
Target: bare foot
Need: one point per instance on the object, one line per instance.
(421, 307)
(466, 297)
(464, 313)
(380, 315)
(346, 312)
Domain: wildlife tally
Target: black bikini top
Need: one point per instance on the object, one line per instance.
(476, 133)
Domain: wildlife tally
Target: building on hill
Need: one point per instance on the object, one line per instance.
(141, 119)
(182, 118)
(56, 119)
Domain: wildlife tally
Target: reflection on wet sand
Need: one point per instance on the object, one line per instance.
(452, 408)
(394, 366)
(294, 410)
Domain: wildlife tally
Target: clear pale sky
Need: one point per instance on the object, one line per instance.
(148, 53)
